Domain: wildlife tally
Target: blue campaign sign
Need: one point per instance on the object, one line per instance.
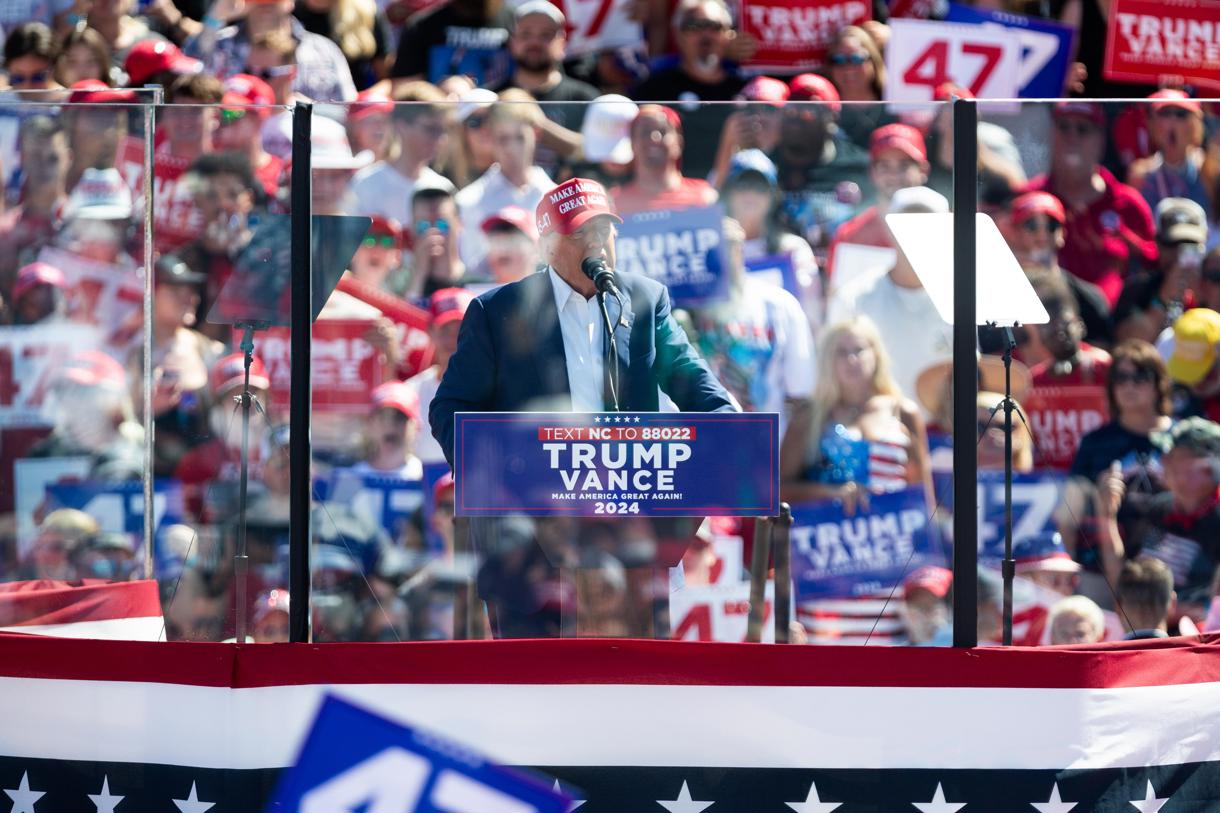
(776, 269)
(118, 506)
(837, 556)
(659, 464)
(1046, 47)
(354, 760)
(388, 501)
(1035, 496)
(680, 248)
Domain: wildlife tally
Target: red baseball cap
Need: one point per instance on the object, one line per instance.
(244, 90)
(367, 103)
(902, 137)
(230, 372)
(936, 580)
(1032, 203)
(765, 89)
(93, 368)
(449, 304)
(95, 91)
(1078, 108)
(668, 113)
(397, 395)
(36, 274)
(570, 205)
(385, 227)
(445, 483)
(947, 90)
(513, 216)
(810, 87)
(150, 57)
(1168, 97)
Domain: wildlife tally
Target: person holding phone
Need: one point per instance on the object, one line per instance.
(1152, 302)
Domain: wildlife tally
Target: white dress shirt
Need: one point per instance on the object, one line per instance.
(580, 321)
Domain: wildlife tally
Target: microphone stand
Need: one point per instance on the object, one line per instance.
(1008, 567)
(612, 348)
(241, 560)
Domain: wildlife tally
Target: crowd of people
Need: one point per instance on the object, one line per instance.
(446, 123)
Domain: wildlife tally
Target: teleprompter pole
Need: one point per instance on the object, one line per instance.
(299, 446)
(965, 375)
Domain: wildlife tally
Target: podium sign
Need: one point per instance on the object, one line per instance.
(654, 464)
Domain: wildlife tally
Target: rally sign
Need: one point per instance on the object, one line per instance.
(1035, 496)
(923, 55)
(661, 464)
(840, 556)
(389, 502)
(344, 367)
(1154, 43)
(679, 248)
(354, 759)
(594, 26)
(176, 219)
(718, 612)
(1046, 47)
(793, 35)
(1060, 417)
(410, 322)
(102, 294)
(30, 358)
(777, 270)
(118, 507)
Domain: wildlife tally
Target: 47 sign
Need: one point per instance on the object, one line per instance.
(924, 55)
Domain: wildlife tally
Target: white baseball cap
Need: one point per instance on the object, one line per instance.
(331, 149)
(607, 129)
(474, 99)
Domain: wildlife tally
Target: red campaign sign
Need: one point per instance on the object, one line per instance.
(913, 9)
(1154, 42)
(176, 220)
(344, 367)
(793, 35)
(1060, 417)
(411, 323)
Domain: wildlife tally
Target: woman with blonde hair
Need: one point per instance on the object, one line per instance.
(855, 66)
(858, 434)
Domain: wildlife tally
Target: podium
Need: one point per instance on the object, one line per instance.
(611, 500)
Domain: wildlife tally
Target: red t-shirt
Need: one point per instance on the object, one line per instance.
(1062, 409)
(1100, 238)
(629, 199)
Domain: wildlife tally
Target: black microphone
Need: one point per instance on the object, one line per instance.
(595, 268)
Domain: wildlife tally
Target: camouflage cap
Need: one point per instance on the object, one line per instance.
(1197, 435)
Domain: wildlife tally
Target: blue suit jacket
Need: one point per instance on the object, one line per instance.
(510, 357)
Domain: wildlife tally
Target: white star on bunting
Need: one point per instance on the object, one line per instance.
(24, 798)
(597, 419)
(938, 803)
(1150, 803)
(813, 804)
(104, 802)
(1055, 804)
(191, 803)
(684, 803)
(575, 803)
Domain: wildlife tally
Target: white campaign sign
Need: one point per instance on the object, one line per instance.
(718, 613)
(923, 55)
(598, 25)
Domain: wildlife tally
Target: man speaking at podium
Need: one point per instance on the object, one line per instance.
(539, 344)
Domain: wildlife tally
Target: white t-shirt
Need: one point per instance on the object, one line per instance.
(488, 194)
(380, 189)
(413, 469)
(913, 332)
(425, 385)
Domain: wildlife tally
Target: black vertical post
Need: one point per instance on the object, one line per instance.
(965, 375)
(299, 448)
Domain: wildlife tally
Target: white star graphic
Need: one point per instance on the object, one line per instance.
(191, 803)
(104, 802)
(1150, 803)
(684, 803)
(24, 798)
(597, 419)
(617, 419)
(813, 804)
(575, 803)
(637, 418)
(938, 803)
(1055, 804)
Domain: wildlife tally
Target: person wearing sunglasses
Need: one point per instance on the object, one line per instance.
(857, 69)
(1109, 225)
(380, 254)
(704, 31)
(1152, 300)
(1036, 237)
(29, 58)
(1175, 170)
